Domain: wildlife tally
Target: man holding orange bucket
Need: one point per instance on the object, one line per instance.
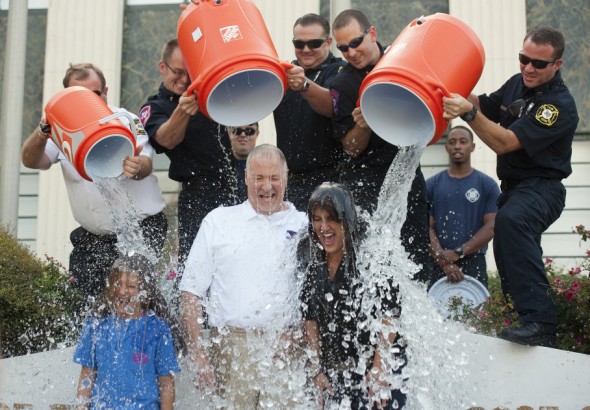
(199, 152)
(369, 156)
(530, 123)
(297, 122)
(95, 241)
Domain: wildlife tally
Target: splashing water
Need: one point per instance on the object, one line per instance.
(125, 219)
(435, 374)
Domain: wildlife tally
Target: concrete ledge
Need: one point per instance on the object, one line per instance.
(503, 375)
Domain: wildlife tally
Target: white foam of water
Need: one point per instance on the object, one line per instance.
(124, 217)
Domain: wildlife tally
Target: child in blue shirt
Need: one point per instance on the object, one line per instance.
(126, 348)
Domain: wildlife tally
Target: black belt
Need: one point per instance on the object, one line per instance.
(508, 184)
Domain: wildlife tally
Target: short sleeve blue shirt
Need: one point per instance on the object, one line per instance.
(459, 204)
(128, 355)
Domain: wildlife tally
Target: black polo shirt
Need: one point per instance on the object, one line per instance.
(545, 128)
(304, 136)
(335, 307)
(205, 150)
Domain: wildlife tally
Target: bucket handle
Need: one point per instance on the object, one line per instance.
(286, 65)
(117, 115)
(194, 86)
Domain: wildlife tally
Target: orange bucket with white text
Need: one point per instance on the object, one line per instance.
(88, 133)
(231, 60)
(401, 98)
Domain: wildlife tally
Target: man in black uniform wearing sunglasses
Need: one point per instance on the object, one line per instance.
(369, 156)
(530, 123)
(304, 135)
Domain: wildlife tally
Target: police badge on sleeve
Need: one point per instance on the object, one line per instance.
(547, 114)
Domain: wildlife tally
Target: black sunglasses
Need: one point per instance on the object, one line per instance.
(540, 64)
(354, 43)
(248, 131)
(312, 44)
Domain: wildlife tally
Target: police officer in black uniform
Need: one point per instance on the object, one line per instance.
(369, 156)
(530, 123)
(198, 148)
(304, 135)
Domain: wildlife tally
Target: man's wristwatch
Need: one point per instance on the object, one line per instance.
(305, 86)
(44, 128)
(459, 251)
(469, 115)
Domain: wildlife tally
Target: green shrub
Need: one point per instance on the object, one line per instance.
(37, 302)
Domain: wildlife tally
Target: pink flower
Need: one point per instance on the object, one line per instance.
(548, 261)
(569, 296)
(574, 271)
(579, 340)
(507, 321)
(171, 275)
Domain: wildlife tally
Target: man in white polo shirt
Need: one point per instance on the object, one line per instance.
(238, 270)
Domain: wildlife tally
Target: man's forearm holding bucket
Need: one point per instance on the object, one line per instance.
(171, 133)
(357, 138)
(501, 140)
(33, 150)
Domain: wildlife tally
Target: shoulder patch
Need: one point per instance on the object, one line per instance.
(547, 114)
(145, 113)
(335, 98)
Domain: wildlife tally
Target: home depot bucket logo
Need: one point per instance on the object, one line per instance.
(68, 143)
(230, 33)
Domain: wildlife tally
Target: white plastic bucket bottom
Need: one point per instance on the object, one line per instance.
(397, 114)
(105, 157)
(245, 97)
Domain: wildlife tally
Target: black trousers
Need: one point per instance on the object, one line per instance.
(525, 211)
(93, 255)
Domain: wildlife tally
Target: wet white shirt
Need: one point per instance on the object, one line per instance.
(246, 261)
(88, 206)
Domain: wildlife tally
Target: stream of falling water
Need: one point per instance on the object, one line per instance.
(435, 376)
(124, 217)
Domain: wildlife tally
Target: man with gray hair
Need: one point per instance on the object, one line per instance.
(237, 270)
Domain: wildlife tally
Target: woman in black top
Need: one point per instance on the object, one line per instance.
(331, 297)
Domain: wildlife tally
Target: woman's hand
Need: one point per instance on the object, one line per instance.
(322, 382)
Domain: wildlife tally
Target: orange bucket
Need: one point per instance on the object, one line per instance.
(88, 133)
(231, 60)
(401, 98)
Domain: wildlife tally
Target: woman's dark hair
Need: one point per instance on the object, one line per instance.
(337, 200)
(149, 294)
